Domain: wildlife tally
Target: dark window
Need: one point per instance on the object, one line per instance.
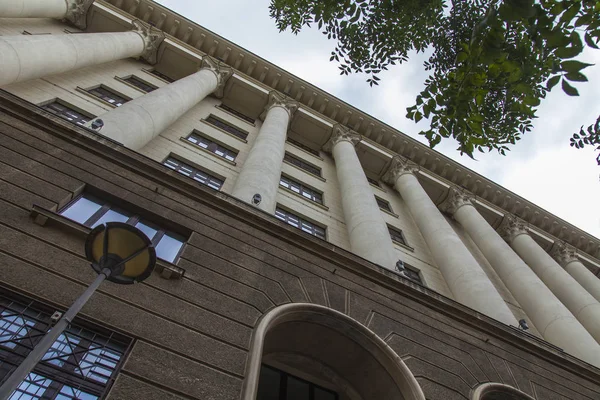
(302, 164)
(140, 84)
(373, 182)
(383, 204)
(81, 364)
(195, 174)
(397, 236)
(303, 190)
(237, 114)
(300, 223)
(226, 127)
(409, 272)
(274, 384)
(304, 147)
(211, 146)
(67, 112)
(91, 212)
(108, 95)
(162, 76)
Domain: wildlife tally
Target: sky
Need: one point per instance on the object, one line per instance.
(541, 168)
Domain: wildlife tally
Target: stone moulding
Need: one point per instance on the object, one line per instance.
(341, 133)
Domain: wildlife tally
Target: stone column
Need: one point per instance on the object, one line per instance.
(581, 304)
(368, 233)
(261, 171)
(468, 283)
(551, 318)
(566, 256)
(34, 56)
(138, 121)
(74, 11)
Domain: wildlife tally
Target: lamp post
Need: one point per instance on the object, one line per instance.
(119, 253)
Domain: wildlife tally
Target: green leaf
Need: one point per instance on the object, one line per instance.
(462, 56)
(568, 89)
(574, 65)
(590, 41)
(576, 76)
(552, 82)
(567, 52)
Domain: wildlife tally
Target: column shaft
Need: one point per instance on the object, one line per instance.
(261, 171)
(28, 57)
(581, 304)
(550, 317)
(467, 281)
(585, 277)
(33, 9)
(138, 121)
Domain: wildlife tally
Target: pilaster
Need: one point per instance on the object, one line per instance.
(455, 199)
(511, 227)
(341, 133)
(398, 167)
(77, 11)
(152, 38)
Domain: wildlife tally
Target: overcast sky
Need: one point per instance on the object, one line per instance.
(542, 167)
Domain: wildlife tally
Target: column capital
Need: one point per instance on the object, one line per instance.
(511, 227)
(221, 70)
(277, 99)
(455, 199)
(152, 38)
(341, 133)
(399, 166)
(77, 12)
(563, 253)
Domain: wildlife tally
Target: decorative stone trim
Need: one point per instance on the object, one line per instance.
(277, 99)
(398, 167)
(498, 389)
(221, 70)
(563, 253)
(341, 133)
(77, 12)
(456, 199)
(152, 38)
(511, 227)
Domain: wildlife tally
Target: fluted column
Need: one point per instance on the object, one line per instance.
(27, 57)
(566, 256)
(261, 171)
(468, 283)
(368, 233)
(138, 121)
(551, 318)
(74, 11)
(581, 303)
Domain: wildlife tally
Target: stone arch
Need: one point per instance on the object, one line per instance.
(498, 391)
(347, 352)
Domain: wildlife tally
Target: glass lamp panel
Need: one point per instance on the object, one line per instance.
(81, 210)
(168, 248)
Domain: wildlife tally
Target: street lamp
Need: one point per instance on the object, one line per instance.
(118, 252)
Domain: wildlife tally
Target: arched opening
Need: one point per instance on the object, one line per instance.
(331, 351)
(498, 391)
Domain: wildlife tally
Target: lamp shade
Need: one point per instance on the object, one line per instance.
(123, 249)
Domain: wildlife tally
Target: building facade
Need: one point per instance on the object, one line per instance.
(306, 250)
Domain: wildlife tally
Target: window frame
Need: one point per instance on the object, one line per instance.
(283, 378)
(44, 105)
(300, 220)
(110, 91)
(302, 187)
(127, 80)
(302, 164)
(374, 182)
(304, 147)
(193, 171)
(159, 75)
(227, 127)
(400, 233)
(213, 146)
(237, 114)
(388, 206)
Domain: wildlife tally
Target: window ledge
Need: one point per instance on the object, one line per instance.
(378, 187)
(224, 131)
(43, 217)
(304, 151)
(194, 145)
(233, 115)
(305, 171)
(312, 203)
(404, 246)
(155, 76)
(389, 212)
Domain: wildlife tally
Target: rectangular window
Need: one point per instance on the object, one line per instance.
(91, 212)
(373, 182)
(311, 169)
(304, 147)
(161, 76)
(274, 384)
(397, 236)
(237, 113)
(211, 146)
(300, 223)
(81, 364)
(383, 204)
(108, 95)
(140, 84)
(409, 272)
(58, 108)
(303, 190)
(195, 174)
(226, 127)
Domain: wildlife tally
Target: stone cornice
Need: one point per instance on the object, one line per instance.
(221, 70)
(152, 38)
(398, 167)
(511, 227)
(276, 99)
(563, 253)
(456, 198)
(77, 12)
(340, 133)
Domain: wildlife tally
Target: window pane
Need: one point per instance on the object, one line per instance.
(268, 384)
(13, 328)
(297, 389)
(148, 231)
(321, 394)
(33, 387)
(81, 210)
(168, 247)
(111, 216)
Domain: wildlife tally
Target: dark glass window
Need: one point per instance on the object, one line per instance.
(108, 95)
(409, 272)
(67, 112)
(226, 127)
(162, 76)
(300, 223)
(396, 235)
(274, 384)
(91, 212)
(211, 146)
(383, 204)
(195, 174)
(373, 182)
(302, 164)
(303, 190)
(81, 364)
(304, 147)
(140, 84)
(237, 113)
